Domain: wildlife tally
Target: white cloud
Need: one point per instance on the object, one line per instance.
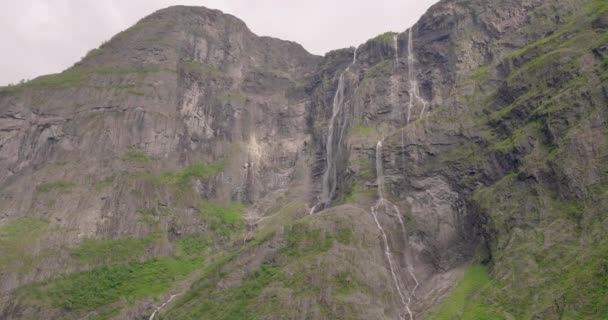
(42, 36)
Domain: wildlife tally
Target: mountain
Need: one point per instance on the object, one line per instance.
(189, 169)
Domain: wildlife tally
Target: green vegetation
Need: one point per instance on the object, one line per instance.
(93, 53)
(75, 77)
(148, 25)
(193, 245)
(16, 238)
(463, 302)
(195, 171)
(183, 178)
(151, 216)
(344, 236)
(387, 37)
(104, 183)
(575, 290)
(137, 156)
(301, 240)
(94, 251)
(202, 69)
(346, 283)
(224, 219)
(379, 70)
(109, 284)
(596, 8)
(361, 130)
(363, 134)
(481, 74)
(536, 45)
(105, 315)
(254, 296)
(232, 303)
(517, 138)
(359, 193)
(60, 186)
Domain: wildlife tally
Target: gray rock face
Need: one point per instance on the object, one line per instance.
(188, 126)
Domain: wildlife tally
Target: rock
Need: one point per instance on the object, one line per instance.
(478, 136)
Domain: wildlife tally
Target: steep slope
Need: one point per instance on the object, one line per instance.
(98, 161)
(189, 169)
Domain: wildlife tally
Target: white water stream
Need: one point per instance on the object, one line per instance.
(395, 85)
(161, 306)
(336, 123)
(395, 93)
(387, 205)
(411, 68)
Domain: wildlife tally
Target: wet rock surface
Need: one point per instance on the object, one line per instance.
(192, 150)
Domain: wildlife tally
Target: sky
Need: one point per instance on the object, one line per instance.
(43, 36)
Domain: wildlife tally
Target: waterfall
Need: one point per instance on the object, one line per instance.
(380, 170)
(396, 88)
(411, 69)
(395, 76)
(330, 175)
(387, 205)
(162, 306)
(389, 257)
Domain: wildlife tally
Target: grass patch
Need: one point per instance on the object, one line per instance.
(233, 303)
(15, 240)
(224, 219)
(481, 74)
(182, 179)
(96, 251)
(346, 283)
(518, 137)
(137, 156)
(91, 54)
(105, 315)
(109, 284)
(361, 130)
(300, 241)
(344, 236)
(574, 210)
(460, 304)
(363, 134)
(199, 68)
(104, 183)
(193, 245)
(60, 186)
(387, 37)
(75, 77)
(535, 45)
(151, 216)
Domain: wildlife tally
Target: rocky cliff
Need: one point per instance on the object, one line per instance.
(189, 169)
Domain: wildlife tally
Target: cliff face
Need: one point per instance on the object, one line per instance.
(191, 169)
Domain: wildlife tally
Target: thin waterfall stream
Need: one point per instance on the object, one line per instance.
(395, 93)
(387, 205)
(411, 69)
(162, 306)
(330, 176)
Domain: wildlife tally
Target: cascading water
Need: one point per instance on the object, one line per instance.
(411, 68)
(162, 306)
(336, 125)
(395, 92)
(395, 76)
(387, 205)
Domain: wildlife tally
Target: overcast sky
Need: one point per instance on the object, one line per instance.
(43, 36)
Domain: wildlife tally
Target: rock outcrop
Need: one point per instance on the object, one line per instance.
(188, 168)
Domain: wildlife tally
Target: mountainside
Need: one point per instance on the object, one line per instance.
(189, 169)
